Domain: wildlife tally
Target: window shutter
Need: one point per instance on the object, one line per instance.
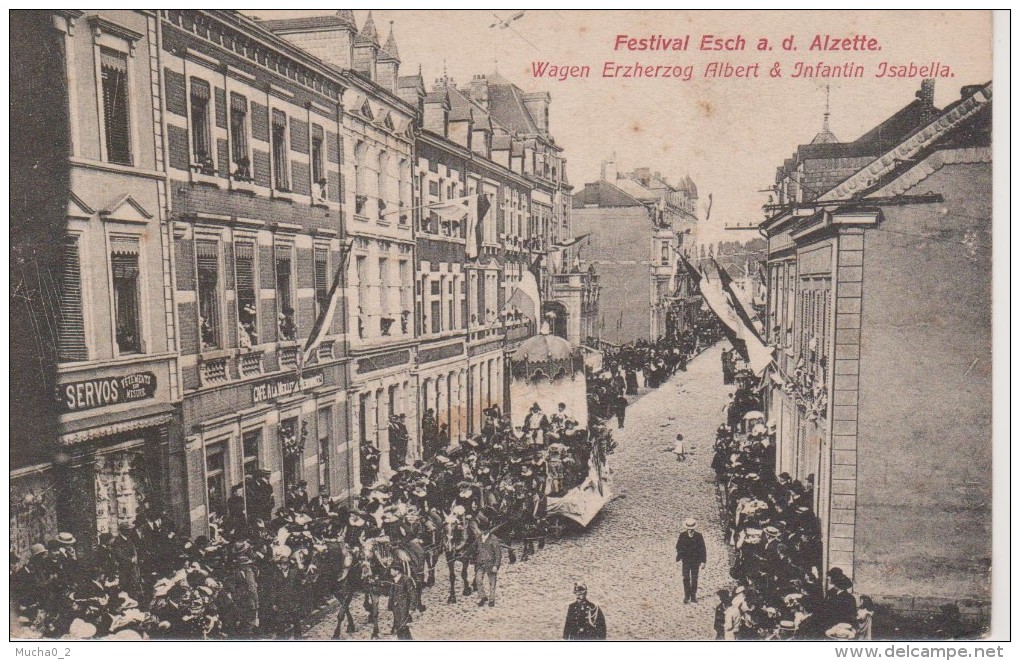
(238, 103)
(207, 255)
(113, 70)
(199, 89)
(321, 271)
(245, 266)
(71, 330)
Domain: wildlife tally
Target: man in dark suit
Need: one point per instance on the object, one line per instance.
(402, 597)
(585, 620)
(690, 552)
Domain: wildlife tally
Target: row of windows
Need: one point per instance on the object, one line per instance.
(211, 290)
(239, 123)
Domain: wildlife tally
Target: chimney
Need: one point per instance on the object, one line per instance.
(926, 95)
(478, 89)
(437, 112)
(538, 106)
(609, 170)
(366, 49)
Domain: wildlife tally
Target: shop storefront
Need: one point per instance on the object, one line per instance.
(287, 430)
(113, 456)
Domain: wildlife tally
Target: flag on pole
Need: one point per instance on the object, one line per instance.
(470, 208)
(325, 319)
(526, 296)
(747, 314)
(741, 332)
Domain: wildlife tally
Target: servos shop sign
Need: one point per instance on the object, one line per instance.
(106, 391)
(270, 390)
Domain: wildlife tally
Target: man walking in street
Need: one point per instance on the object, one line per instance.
(585, 620)
(488, 559)
(690, 552)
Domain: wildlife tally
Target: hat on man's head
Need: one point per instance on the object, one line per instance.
(772, 531)
(66, 539)
(37, 548)
(580, 588)
(690, 523)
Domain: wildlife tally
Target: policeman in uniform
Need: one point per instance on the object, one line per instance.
(585, 620)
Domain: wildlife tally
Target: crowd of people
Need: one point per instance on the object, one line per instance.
(625, 369)
(779, 592)
(263, 568)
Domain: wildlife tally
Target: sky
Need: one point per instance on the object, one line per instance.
(729, 135)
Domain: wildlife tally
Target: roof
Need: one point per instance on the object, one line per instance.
(406, 82)
(368, 35)
(604, 194)
(543, 348)
(341, 19)
(389, 51)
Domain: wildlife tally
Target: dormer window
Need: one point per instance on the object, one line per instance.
(366, 110)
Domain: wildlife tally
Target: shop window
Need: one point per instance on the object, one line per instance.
(124, 264)
(201, 138)
(250, 441)
(116, 120)
(121, 488)
(292, 443)
(71, 329)
(284, 293)
(324, 429)
(210, 327)
(247, 294)
(216, 479)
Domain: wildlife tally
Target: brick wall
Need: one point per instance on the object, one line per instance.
(177, 145)
(176, 94)
(221, 107)
(299, 135)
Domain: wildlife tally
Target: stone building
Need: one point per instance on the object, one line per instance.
(879, 293)
(104, 303)
(254, 157)
(637, 222)
(376, 154)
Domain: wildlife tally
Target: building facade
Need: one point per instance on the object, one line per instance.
(643, 222)
(223, 172)
(879, 303)
(254, 155)
(114, 335)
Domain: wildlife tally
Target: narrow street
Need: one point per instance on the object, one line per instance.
(626, 556)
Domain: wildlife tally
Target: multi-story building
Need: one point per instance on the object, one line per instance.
(378, 141)
(254, 154)
(879, 294)
(106, 306)
(642, 221)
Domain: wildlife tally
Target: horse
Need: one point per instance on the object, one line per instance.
(365, 571)
(432, 535)
(458, 546)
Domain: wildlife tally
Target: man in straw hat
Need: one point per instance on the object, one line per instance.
(690, 552)
(585, 620)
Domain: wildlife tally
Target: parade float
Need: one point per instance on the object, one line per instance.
(549, 406)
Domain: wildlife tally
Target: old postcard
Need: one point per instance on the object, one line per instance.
(501, 325)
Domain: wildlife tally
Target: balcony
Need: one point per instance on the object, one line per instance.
(214, 371)
(289, 357)
(250, 364)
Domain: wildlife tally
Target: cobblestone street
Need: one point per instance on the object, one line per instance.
(626, 556)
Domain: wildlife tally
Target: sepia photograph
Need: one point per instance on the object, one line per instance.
(510, 325)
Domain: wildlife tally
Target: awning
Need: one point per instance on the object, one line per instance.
(91, 427)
